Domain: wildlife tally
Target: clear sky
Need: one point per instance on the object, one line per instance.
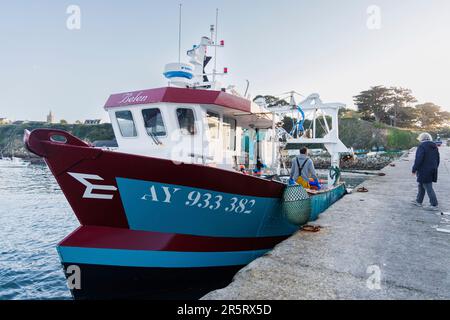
(310, 46)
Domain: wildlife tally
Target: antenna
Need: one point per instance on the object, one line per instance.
(246, 89)
(179, 37)
(215, 46)
(211, 29)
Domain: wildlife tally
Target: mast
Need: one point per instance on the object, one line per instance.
(215, 47)
(179, 36)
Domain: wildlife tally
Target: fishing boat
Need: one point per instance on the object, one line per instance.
(192, 194)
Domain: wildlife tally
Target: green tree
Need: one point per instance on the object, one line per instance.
(391, 106)
(431, 115)
(405, 117)
(345, 113)
(400, 99)
(374, 103)
(63, 121)
(287, 123)
(271, 101)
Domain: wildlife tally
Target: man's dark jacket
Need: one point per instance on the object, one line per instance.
(427, 162)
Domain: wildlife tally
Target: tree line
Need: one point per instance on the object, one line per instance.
(397, 107)
(394, 106)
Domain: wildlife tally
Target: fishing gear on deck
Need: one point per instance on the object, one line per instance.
(315, 184)
(297, 125)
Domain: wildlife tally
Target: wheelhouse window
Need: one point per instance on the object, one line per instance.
(126, 124)
(229, 133)
(213, 124)
(153, 122)
(186, 120)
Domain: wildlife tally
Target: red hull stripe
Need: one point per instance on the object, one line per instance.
(117, 238)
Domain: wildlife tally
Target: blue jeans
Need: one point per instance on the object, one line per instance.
(428, 187)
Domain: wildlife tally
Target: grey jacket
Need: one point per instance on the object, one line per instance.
(308, 168)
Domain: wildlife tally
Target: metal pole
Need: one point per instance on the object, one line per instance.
(215, 47)
(274, 143)
(314, 124)
(179, 37)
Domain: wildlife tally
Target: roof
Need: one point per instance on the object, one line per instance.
(179, 95)
(92, 121)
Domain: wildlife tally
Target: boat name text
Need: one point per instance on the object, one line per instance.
(201, 200)
(133, 98)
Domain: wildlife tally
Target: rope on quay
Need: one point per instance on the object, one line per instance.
(381, 174)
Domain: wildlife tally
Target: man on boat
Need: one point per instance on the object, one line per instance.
(426, 169)
(303, 169)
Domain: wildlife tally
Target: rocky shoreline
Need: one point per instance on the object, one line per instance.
(375, 163)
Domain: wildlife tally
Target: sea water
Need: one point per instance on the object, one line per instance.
(34, 217)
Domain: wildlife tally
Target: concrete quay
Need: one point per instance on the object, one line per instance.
(373, 245)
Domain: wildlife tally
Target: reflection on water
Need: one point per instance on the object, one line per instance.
(34, 217)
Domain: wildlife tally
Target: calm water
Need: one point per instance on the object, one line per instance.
(34, 217)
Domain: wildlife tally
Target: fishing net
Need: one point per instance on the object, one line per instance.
(296, 205)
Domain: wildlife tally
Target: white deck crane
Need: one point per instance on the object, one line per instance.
(313, 109)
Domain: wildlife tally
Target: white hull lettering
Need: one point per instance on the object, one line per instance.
(88, 193)
(153, 196)
(197, 199)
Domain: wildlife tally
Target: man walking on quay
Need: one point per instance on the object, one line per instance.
(426, 168)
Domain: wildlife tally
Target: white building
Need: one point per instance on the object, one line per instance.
(50, 117)
(4, 121)
(92, 122)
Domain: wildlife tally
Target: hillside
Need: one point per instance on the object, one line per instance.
(11, 136)
(361, 134)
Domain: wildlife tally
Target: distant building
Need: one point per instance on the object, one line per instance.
(92, 122)
(4, 121)
(50, 117)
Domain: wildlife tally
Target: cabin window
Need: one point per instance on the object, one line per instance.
(229, 134)
(186, 120)
(126, 124)
(154, 123)
(213, 124)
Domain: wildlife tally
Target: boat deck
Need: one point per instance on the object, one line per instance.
(373, 245)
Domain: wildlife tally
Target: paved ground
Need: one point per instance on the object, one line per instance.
(364, 235)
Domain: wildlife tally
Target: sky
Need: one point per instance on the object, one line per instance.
(330, 47)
